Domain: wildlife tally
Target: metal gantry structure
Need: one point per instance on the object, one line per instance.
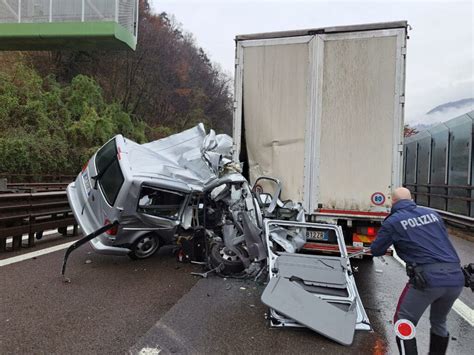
(68, 24)
(439, 167)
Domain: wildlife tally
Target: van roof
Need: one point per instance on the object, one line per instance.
(322, 30)
(179, 160)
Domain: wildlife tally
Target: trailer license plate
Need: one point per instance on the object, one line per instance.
(361, 245)
(317, 235)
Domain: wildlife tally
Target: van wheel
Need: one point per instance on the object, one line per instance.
(144, 247)
(220, 254)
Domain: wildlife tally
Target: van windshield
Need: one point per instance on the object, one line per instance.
(109, 175)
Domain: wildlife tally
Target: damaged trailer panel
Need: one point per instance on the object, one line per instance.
(315, 291)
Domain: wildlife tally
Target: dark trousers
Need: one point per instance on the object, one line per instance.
(413, 303)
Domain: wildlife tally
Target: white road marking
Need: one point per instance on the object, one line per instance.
(397, 258)
(149, 351)
(466, 312)
(34, 254)
(459, 306)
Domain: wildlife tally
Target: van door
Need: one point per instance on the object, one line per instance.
(315, 291)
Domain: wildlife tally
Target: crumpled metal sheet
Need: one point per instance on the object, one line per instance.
(289, 240)
(192, 156)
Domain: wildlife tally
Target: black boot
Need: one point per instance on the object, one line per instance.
(407, 347)
(438, 344)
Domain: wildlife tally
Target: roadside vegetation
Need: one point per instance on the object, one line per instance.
(47, 128)
(57, 108)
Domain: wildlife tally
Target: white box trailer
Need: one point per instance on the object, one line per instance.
(322, 111)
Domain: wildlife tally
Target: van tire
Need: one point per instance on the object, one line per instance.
(144, 247)
(230, 265)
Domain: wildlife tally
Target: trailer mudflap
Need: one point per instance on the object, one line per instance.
(289, 298)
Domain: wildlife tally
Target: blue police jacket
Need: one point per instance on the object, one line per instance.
(419, 236)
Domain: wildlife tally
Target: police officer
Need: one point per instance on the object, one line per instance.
(433, 266)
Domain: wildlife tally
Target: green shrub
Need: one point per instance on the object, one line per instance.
(46, 128)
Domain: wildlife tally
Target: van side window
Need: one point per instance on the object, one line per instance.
(109, 175)
(160, 203)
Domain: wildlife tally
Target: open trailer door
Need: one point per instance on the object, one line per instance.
(315, 291)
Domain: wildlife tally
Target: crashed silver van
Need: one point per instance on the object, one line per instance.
(185, 190)
(180, 182)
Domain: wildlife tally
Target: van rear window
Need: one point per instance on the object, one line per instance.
(105, 155)
(110, 177)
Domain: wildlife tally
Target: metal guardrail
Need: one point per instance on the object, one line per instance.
(32, 214)
(36, 186)
(446, 196)
(454, 218)
(33, 178)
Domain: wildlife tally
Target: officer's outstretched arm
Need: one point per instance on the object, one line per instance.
(383, 240)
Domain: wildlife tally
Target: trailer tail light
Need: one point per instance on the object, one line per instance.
(113, 231)
(85, 166)
(364, 236)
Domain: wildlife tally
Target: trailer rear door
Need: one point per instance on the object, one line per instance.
(359, 125)
(274, 87)
(323, 113)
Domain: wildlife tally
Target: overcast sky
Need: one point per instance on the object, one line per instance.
(440, 58)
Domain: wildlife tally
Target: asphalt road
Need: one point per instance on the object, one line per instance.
(115, 305)
(464, 245)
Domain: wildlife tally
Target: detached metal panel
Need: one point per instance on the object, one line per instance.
(439, 159)
(460, 140)
(423, 167)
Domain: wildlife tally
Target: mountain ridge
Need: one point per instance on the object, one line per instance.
(452, 105)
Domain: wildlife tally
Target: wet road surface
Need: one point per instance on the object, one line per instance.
(465, 249)
(228, 317)
(115, 305)
(110, 303)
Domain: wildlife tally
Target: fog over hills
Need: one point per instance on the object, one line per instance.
(460, 104)
(444, 112)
